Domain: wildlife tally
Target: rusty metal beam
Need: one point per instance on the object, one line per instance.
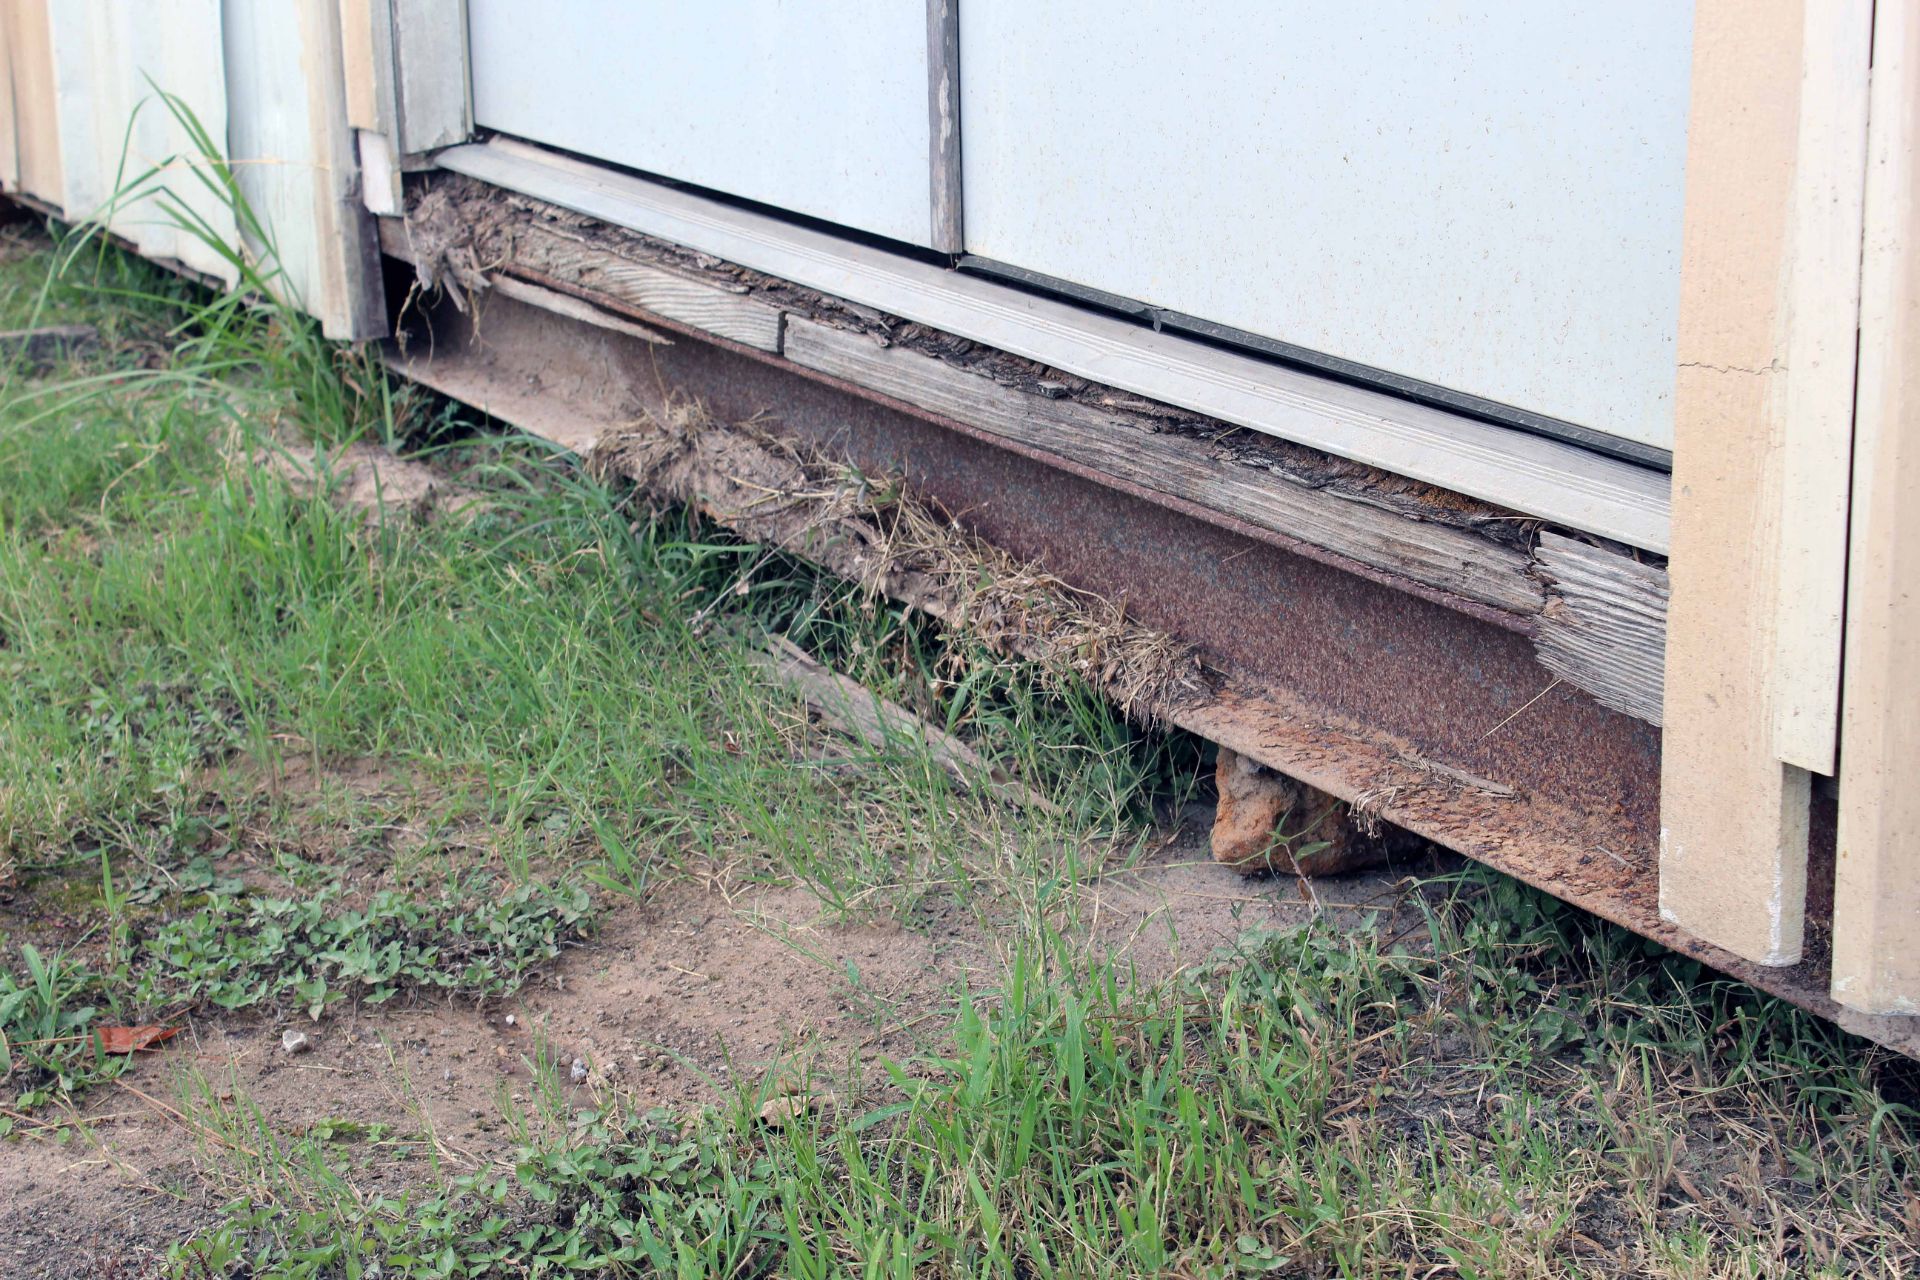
(1434, 718)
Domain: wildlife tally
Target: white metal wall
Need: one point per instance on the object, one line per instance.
(109, 58)
(294, 158)
(263, 83)
(1485, 196)
(816, 108)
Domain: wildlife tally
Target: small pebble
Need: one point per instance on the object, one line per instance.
(510, 1020)
(295, 1041)
(579, 1070)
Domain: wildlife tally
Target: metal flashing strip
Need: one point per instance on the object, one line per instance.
(1549, 479)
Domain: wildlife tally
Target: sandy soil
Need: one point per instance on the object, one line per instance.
(686, 1000)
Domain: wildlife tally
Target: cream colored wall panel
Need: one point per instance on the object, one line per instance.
(1876, 907)
(1766, 123)
(9, 145)
(34, 137)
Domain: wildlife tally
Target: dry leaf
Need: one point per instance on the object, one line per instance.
(778, 1113)
(786, 1107)
(133, 1039)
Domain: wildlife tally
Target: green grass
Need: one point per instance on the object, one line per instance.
(167, 602)
(182, 622)
(1500, 1088)
(1308, 1105)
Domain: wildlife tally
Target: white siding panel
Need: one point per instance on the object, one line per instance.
(817, 108)
(1482, 196)
(296, 158)
(109, 58)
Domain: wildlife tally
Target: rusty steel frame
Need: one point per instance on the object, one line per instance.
(1431, 713)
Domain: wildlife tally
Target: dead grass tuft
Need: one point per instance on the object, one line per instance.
(872, 531)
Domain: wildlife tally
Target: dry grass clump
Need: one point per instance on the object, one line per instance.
(872, 531)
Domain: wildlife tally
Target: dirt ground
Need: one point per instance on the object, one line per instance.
(686, 1000)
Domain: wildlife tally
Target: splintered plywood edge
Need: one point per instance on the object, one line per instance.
(1876, 907)
(1605, 625)
(1733, 846)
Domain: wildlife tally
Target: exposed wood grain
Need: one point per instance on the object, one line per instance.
(1823, 306)
(1447, 559)
(1604, 628)
(650, 288)
(1546, 478)
(1733, 860)
(572, 307)
(1876, 906)
(943, 124)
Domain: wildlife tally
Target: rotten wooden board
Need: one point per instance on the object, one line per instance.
(1603, 633)
(1550, 479)
(1559, 850)
(1604, 628)
(1446, 559)
(50, 345)
(671, 296)
(567, 305)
